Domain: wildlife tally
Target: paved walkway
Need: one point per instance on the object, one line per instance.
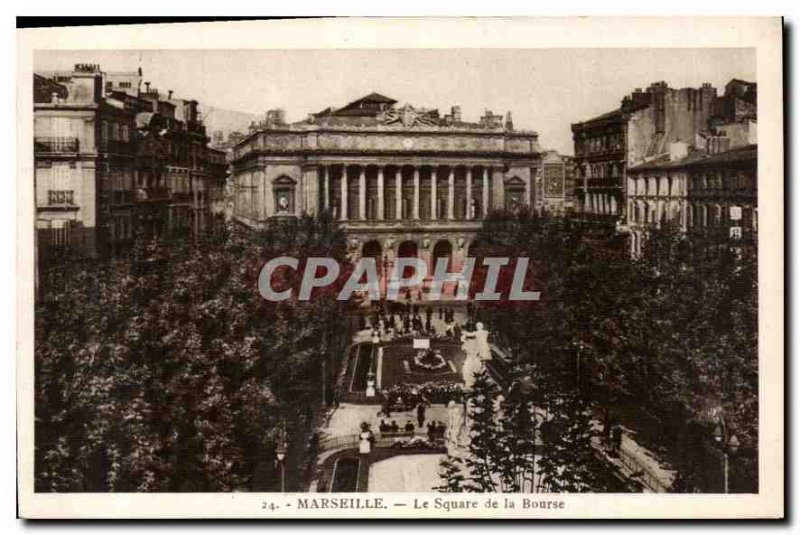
(632, 461)
(347, 419)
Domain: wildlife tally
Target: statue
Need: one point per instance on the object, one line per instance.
(476, 346)
(456, 434)
(365, 439)
(408, 116)
(283, 203)
(472, 366)
(482, 342)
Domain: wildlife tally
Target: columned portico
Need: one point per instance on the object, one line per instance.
(429, 191)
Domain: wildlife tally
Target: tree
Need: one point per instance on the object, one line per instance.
(659, 339)
(170, 373)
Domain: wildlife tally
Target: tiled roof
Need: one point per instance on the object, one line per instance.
(376, 97)
(610, 115)
(739, 154)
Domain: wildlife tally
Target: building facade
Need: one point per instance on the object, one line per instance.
(696, 192)
(644, 133)
(707, 184)
(114, 161)
(555, 193)
(404, 181)
(642, 127)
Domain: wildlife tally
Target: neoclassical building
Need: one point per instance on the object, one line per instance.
(404, 181)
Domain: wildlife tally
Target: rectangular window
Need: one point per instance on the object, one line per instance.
(60, 232)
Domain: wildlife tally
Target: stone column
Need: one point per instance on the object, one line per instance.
(398, 198)
(498, 188)
(451, 193)
(326, 170)
(362, 192)
(415, 208)
(343, 183)
(433, 194)
(485, 173)
(528, 190)
(380, 193)
(469, 194)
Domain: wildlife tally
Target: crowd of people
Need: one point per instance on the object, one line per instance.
(407, 396)
(399, 319)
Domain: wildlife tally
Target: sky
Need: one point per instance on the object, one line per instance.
(545, 89)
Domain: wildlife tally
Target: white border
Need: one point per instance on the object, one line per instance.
(762, 34)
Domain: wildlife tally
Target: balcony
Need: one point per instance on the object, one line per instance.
(59, 200)
(152, 194)
(55, 145)
(60, 197)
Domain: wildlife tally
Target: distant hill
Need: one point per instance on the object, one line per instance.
(226, 120)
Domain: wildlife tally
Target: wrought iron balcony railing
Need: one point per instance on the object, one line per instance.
(56, 144)
(60, 197)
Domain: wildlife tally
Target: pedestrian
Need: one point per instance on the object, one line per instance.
(387, 408)
(421, 414)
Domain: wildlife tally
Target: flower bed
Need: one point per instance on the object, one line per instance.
(430, 360)
(415, 443)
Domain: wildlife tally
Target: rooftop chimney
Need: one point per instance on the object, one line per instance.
(169, 94)
(147, 87)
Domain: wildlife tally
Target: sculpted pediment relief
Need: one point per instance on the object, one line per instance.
(408, 116)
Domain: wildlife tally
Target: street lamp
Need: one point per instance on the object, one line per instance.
(280, 454)
(526, 387)
(728, 443)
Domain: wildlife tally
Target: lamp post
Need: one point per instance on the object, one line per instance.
(280, 454)
(386, 265)
(526, 387)
(728, 443)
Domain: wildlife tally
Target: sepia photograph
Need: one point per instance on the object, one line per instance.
(364, 280)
